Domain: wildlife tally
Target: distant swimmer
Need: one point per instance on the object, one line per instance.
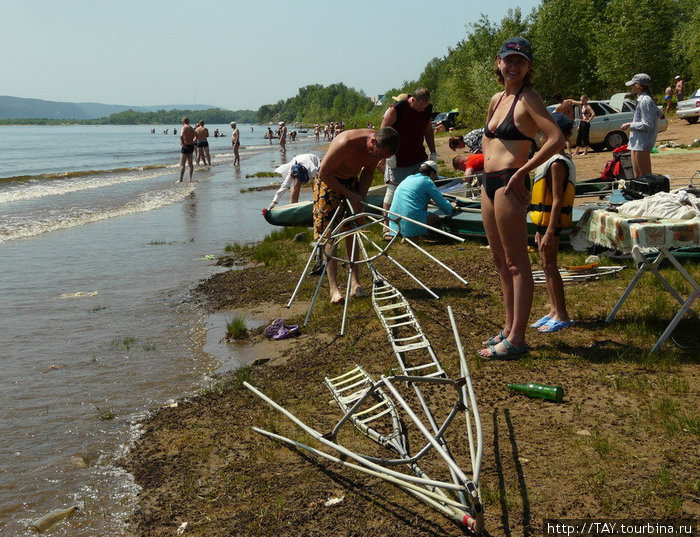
(270, 135)
(187, 138)
(202, 133)
(236, 143)
(317, 131)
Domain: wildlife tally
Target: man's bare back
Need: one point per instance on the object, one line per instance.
(349, 153)
(187, 135)
(201, 133)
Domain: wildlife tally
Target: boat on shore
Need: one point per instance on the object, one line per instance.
(465, 222)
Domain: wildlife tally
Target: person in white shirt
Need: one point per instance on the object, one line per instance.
(299, 171)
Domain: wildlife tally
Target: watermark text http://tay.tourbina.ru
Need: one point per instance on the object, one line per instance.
(622, 528)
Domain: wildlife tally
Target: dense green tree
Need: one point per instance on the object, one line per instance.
(562, 47)
(635, 36)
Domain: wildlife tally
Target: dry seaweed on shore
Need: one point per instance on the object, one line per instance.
(622, 445)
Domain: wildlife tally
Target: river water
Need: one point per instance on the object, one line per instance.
(99, 252)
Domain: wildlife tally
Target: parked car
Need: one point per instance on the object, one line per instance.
(609, 117)
(447, 119)
(689, 109)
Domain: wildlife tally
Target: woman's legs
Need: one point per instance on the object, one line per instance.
(510, 217)
(641, 163)
(499, 258)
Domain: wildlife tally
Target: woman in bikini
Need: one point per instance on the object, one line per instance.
(584, 126)
(515, 115)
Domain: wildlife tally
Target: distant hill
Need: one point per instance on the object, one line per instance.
(21, 108)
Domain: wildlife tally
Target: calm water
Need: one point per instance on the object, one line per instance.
(96, 302)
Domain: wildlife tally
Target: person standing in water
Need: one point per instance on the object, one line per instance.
(202, 133)
(236, 143)
(187, 137)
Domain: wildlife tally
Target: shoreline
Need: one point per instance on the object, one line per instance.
(615, 448)
(200, 462)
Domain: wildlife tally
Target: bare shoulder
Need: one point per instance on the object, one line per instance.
(532, 99)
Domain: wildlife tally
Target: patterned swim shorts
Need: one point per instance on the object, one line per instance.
(326, 201)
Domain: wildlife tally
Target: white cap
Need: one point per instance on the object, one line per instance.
(678, 77)
(281, 122)
(431, 164)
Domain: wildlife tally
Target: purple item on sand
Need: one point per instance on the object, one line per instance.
(278, 330)
(271, 330)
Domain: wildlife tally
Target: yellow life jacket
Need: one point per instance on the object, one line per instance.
(541, 204)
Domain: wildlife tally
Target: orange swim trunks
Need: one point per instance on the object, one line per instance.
(326, 201)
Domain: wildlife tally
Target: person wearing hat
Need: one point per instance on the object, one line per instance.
(680, 95)
(282, 133)
(411, 200)
(515, 116)
(644, 125)
(296, 173)
(236, 143)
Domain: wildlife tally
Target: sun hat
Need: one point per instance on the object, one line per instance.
(516, 45)
(432, 165)
(640, 78)
(301, 173)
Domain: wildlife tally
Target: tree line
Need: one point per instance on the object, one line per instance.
(587, 46)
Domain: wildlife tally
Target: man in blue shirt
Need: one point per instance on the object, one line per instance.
(411, 200)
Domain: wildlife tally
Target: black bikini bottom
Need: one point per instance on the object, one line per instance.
(495, 180)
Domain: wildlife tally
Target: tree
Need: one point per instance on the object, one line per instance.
(634, 36)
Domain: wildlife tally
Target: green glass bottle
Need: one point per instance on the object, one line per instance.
(551, 393)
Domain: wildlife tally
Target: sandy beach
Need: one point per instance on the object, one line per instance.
(624, 444)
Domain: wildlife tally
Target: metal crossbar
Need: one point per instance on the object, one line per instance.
(379, 411)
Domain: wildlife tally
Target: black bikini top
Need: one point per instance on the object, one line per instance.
(507, 129)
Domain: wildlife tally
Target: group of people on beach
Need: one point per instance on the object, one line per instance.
(515, 116)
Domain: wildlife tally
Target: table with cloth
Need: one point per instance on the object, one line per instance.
(639, 236)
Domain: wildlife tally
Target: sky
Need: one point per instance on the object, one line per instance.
(234, 54)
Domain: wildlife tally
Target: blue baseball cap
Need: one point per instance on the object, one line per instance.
(301, 173)
(516, 45)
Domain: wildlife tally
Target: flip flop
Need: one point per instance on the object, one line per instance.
(554, 326)
(511, 351)
(493, 341)
(541, 321)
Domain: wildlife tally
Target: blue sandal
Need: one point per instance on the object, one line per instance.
(511, 350)
(555, 326)
(493, 341)
(541, 321)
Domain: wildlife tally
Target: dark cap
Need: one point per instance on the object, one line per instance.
(300, 173)
(516, 45)
(564, 123)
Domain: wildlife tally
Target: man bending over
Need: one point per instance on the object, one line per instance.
(351, 153)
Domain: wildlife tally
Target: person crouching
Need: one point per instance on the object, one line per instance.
(411, 200)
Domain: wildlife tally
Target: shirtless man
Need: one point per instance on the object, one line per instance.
(283, 137)
(187, 137)
(236, 143)
(202, 133)
(350, 153)
(566, 107)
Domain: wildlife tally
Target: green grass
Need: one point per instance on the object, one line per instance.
(277, 249)
(236, 328)
(263, 174)
(105, 414)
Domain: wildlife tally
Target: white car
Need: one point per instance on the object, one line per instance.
(610, 115)
(689, 109)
